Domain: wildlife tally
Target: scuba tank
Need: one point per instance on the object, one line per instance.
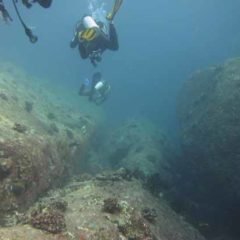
(89, 22)
(99, 85)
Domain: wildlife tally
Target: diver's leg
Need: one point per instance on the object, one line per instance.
(113, 38)
(82, 51)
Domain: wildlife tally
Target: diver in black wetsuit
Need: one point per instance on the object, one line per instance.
(93, 39)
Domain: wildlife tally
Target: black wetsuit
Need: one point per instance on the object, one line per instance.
(97, 45)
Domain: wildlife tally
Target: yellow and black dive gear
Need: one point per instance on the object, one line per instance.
(88, 34)
(91, 29)
(116, 7)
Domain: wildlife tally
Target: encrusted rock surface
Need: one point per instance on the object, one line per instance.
(137, 145)
(35, 151)
(86, 220)
(51, 221)
(210, 119)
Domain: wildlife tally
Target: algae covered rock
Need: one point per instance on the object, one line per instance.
(141, 148)
(100, 210)
(33, 154)
(137, 148)
(209, 114)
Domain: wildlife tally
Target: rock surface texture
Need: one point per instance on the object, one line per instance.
(101, 210)
(210, 119)
(140, 147)
(40, 139)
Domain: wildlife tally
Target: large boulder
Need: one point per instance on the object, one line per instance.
(42, 140)
(209, 115)
(138, 146)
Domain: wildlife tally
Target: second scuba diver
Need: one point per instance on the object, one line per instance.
(92, 37)
(97, 90)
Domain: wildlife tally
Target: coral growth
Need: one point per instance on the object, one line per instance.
(149, 214)
(111, 205)
(136, 229)
(49, 220)
(19, 127)
(49, 216)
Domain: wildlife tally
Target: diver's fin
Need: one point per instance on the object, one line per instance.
(116, 7)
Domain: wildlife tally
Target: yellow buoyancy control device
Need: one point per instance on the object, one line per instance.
(88, 34)
(91, 29)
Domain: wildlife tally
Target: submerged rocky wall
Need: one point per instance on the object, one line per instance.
(138, 146)
(209, 114)
(42, 139)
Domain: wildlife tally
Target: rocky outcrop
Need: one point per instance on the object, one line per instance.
(41, 138)
(100, 209)
(139, 147)
(210, 120)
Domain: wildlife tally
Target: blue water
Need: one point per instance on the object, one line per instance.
(161, 43)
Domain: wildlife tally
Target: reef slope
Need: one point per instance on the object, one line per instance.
(101, 209)
(41, 138)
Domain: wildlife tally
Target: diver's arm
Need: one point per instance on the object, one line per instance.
(74, 41)
(113, 38)
(78, 28)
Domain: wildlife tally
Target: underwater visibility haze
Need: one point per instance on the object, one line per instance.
(170, 120)
(161, 43)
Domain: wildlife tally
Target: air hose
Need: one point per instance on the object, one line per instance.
(32, 38)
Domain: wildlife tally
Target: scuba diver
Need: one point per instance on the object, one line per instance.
(97, 90)
(28, 3)
(93, 38)
(4, 13)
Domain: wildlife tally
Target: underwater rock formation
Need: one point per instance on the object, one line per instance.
(85, 219)
(33, 156)
(209, 114)
(140, 148)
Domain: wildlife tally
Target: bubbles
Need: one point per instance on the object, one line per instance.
(97, 10)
